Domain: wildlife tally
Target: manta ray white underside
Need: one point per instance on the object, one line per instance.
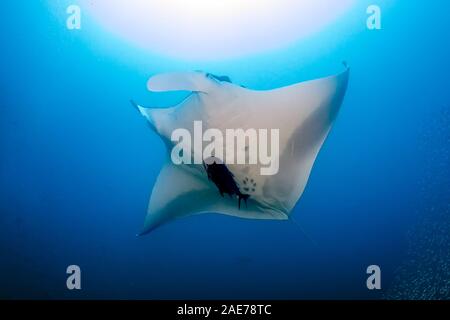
(303, 113)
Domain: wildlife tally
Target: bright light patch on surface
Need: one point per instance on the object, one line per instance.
(214, 29)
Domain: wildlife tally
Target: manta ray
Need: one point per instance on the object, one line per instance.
(303, 113)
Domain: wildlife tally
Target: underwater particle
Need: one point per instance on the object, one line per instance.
(425, 273)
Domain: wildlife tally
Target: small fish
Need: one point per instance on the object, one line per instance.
(224, 180)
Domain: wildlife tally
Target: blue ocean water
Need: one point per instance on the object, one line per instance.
(78, 163)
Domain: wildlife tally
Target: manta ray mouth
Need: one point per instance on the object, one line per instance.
(222, 177)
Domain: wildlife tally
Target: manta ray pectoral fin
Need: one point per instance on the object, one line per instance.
(320, 101)
(148, 113)
(178, 193)
(181, 81)
(158, 119)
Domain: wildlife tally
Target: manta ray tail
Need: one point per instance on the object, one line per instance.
(297, 225)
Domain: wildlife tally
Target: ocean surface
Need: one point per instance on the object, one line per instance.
(78, 163)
